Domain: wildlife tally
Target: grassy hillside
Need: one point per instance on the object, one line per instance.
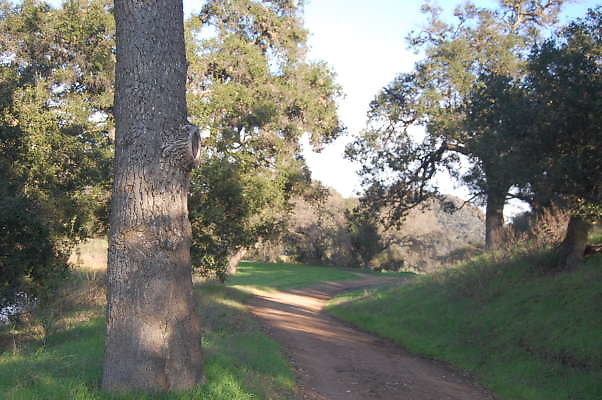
(523, 333)
(241, 361)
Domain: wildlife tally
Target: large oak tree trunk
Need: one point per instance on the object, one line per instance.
(494, 219)
(572, 249)
(153, 330)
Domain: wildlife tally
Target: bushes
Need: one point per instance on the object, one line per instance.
(55, 150)
(30, 260)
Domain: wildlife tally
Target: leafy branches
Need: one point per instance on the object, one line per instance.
(56, 79)
(448, 94)
(252, 87)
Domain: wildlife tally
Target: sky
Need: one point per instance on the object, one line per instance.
(364, 43)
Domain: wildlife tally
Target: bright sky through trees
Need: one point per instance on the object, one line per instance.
(364, 43)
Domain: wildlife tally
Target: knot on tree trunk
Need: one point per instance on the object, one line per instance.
(184, 150)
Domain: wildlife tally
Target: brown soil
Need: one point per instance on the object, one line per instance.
(335, 361)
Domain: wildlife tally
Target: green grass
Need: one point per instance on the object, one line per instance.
(240, 360)
(522, 333)
(284, 276)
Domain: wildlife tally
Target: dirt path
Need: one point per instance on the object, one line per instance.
(335, 361)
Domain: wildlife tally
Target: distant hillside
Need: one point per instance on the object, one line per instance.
(431, 237)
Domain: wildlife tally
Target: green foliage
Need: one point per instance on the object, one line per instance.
(562, 151)
(365, 238)
(30, 261)
(250, 84)
(498, 118)
(459, 59)
(524, 335)
(230, 209)
(56, 76)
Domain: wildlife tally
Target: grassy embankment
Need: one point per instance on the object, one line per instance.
(240, 360)
(522, 332)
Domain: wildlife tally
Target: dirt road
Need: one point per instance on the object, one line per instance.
(334, 361)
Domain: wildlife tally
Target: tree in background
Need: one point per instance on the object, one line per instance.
(250, 83)
(316, 229)
(562, 150)
(153, 329)
(56, 73)
(398, 169)
(365, 238)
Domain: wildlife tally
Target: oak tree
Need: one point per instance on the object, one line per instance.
(153, 330)
(56, 74)
(398, 166)
(252, 85)
(562, 150)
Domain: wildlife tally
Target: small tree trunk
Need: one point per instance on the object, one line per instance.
(572, 249)
(235, 260)
(153, 330)
(494, 219)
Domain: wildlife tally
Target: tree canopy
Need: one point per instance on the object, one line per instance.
(56, 73)
(459, 59)
(563, 85)
(251, 85)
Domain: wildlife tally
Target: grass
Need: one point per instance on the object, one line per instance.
(522, 333)
(240, 360)
(284, 276)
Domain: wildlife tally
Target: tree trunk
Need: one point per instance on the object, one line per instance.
(572, 249)
(153, 330)
(235, 260)
(494, 219)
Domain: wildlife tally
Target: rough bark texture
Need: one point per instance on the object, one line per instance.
(153, 330)
(494, 219)
(235, 260)
(571, 251)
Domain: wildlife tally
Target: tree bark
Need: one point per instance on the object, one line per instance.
(494, 219)
(153, 329)
(571, 251)
(235, 260)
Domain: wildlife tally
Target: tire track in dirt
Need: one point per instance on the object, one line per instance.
(335, 361)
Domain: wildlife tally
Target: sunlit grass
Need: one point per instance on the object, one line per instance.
(524, 334)
(284, 276)
(240, 360)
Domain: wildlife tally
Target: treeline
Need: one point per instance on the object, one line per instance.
(490, 89)
(525, 111)
(326, 229)
(249, 86)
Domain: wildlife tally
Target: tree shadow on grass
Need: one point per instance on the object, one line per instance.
(240, 361)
